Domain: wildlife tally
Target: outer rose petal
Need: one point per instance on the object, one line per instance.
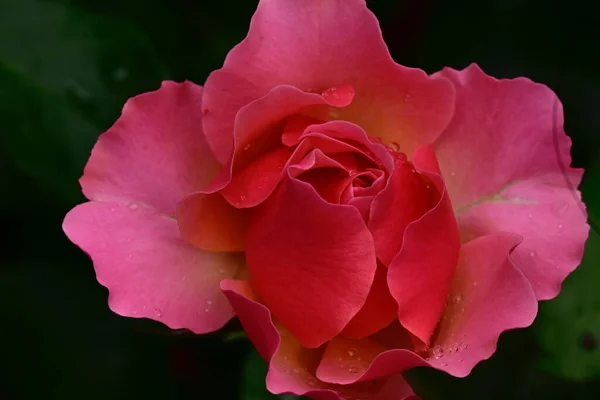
(489, 295)
(292, 367)
(340, 43)
(139, 256)
(505, 158)
(312, 262)
(155, 154)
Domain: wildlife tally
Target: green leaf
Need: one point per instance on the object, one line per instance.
(568, 328)
(65, 75)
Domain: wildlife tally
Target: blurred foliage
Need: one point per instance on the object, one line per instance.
(66, 69)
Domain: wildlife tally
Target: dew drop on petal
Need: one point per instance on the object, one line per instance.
(351, 352)
(133, 206)
(395, 146)
(532, 253)
(353, 370)
(560, 226)
(437, 352)
(157, 312)
(310, 381)
(208, 302)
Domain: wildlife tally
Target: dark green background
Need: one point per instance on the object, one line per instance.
(67, 67)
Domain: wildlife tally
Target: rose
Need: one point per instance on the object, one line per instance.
(359, 217)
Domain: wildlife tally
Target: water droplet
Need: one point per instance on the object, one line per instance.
(529, 216)
(310, 381)
(133, 207)
(134, 312)
(207, 309)
(358, 358)
(452, 173)
(532, 253)
(475, 283)
(353, 370)
(247, 147)
(456, 299)
(112, 209)
(463, 346)
(208, 302)
(394, 146)
(242, 197)
(437, 352)
(428, 186)
(157, 312)
(352, 352)
(560, 226)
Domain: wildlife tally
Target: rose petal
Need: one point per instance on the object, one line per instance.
(257, 131)
(489, 296)
(149, 271)
(253, 184)
(340, 43)
(405, 199)
(312, 277)
(419, 277)
(156, 152)
(292, 367)
(513, 173)
(379, 310)
(209, 222)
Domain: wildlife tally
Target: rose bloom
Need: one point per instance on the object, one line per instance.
(359, 217)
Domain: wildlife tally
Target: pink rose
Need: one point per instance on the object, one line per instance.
(359, 217)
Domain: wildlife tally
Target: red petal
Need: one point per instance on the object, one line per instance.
(311, 262)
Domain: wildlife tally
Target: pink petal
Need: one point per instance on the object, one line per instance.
(405, 199)
(149, 271)
(339, 44)
(505, 158)
(344, 359)
(257, 131)
(419, 277)
(254, 183)
(292, 367)
(156, 152)
(489, 296)
(209, 222)
(311, 262)
(379, 310)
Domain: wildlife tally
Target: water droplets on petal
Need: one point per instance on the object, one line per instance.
(437, 352)
(157, 312)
